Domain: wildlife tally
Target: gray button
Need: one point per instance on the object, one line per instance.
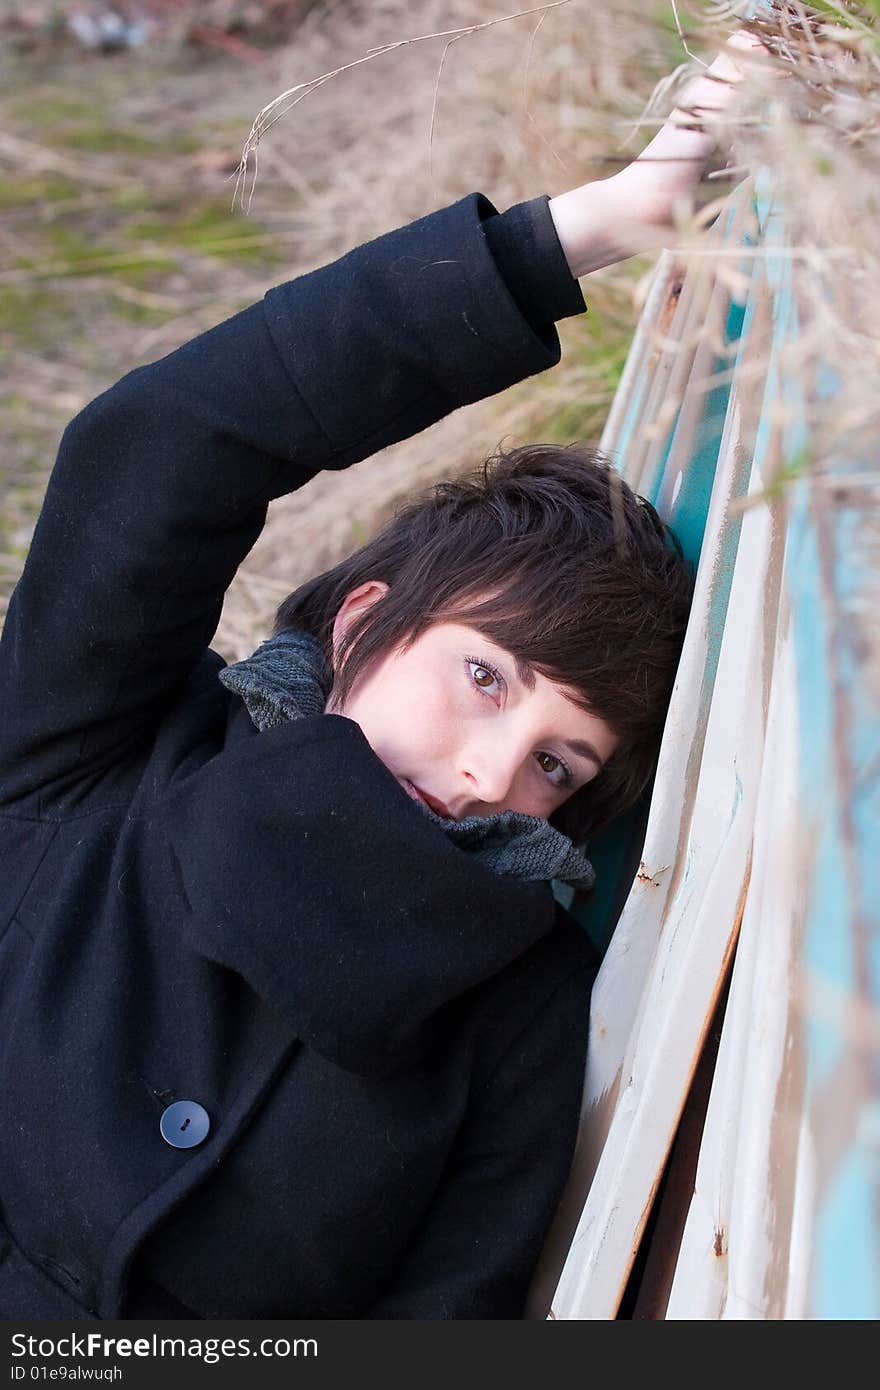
(184, 1124)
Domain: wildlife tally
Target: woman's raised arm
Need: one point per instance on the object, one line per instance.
(161, 484)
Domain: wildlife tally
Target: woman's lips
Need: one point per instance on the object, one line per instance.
(432, 802)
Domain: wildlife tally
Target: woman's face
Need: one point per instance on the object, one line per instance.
(464, 730)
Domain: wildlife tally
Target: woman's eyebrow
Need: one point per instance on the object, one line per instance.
(584, 749)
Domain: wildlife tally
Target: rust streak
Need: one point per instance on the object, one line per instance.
(654, 879)
(666, 313)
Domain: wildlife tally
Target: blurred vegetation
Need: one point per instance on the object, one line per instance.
(117, 168)
(115, 213)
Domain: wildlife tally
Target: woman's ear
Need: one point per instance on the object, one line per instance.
(353, 605)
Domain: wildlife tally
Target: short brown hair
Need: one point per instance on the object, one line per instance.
(550, 554)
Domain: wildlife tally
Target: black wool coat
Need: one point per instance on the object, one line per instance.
(379, 1042)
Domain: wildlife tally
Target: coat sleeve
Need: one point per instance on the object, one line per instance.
(161, 484)
(475, 1253)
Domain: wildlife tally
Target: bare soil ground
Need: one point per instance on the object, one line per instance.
(119, 242)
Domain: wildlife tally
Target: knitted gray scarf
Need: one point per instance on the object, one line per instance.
(285, 679)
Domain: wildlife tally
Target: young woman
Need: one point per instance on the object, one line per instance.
(291, 1024)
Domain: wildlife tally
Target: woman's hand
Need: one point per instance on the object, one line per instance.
(635, 210)
(670, 168)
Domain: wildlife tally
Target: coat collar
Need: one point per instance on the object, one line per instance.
(287, 678)
(291, 847)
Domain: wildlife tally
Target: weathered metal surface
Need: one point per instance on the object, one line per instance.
(763, 824)
(791, 1147)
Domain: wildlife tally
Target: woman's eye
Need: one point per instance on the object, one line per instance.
(486, 678)
(555, 768)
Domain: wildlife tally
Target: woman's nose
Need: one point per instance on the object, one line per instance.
(489, 773)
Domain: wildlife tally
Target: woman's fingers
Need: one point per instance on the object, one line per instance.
(714, 89)
(672, 165)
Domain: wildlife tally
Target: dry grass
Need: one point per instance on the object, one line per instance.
(533, 104)
(819, 139)
(811, 131)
